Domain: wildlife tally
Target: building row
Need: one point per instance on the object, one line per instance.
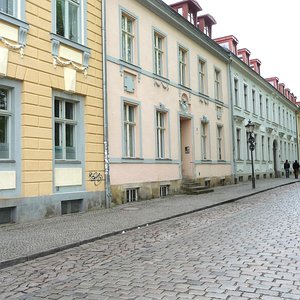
(107, 102)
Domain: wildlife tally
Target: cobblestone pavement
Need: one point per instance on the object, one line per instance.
(248, 249)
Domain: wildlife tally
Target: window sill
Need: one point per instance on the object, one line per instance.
(67, 162)
(161, 78)
(59, 40)
(7, 161)
(129, 65)
(184, 87)
(163, 159)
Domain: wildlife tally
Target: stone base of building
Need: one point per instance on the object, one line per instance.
(159, 189)
(261, 175)
(20, 210)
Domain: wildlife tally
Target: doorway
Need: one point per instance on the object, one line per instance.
(186, 144)
(275, 146)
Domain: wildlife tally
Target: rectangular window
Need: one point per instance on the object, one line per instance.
(65, 129)
(236, 91)
(68, 19)
(158, 54)
(127, 38)
(220, 142)
(5, 120)
(255, 152)
(253, 101)
(238, 143)
(262, 148)
(260, 105)
(160, 133)
(273, 112)
(279, 116)
(202, 67)
(246, 96)
(131, 195)
(129, 130)
(267, 108)
(217, 84)
(164, 190)
(204, 140)
(7, 7)
(269, 149)
(182, 66)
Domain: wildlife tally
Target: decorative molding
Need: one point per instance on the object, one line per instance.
(58, 62)
(13, 46)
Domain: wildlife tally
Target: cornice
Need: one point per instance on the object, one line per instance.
(259, 79)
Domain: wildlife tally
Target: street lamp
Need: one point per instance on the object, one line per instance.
(251, 141)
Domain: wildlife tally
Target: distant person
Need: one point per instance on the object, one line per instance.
(296, 168)
(287, 169)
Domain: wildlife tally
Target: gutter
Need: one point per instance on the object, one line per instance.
(105, 112)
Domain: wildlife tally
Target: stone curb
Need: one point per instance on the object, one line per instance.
(23, 259)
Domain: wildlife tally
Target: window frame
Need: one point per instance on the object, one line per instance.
(159, 68)
(202, 76)
(236, 91)
(183, 66)
(8, 115)
(63, 122)
(238, 143)
(81, 26)
(124, 34)
(217, 84)
(161, 131)
(205, 151)
(128, 125)
(245, 90)
(220, 139)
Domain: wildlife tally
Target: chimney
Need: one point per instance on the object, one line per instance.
(274, 81)
(255, 65)
(188, 9)
(229, 42)
(244, 55)
(205, 24)
(281, 88)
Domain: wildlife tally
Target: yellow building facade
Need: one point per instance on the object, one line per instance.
(51, 108)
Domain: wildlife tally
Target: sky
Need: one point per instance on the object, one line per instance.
(267, 28)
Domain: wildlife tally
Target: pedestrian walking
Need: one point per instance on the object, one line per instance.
(296, 168)
(287, 169)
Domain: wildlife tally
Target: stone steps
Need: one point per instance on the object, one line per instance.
(194, 188)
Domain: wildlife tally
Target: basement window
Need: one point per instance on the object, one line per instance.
(132, 195)
(7, 215)
(164, 190)
(71, 206)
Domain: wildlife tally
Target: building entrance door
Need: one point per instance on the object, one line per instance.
(187, 165)
(275, 158)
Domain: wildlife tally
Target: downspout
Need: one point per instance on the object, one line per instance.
(105, 113)
(233, 164)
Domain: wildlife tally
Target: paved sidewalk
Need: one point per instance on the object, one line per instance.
(23, 242)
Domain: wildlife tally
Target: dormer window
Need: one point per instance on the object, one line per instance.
(191, 17)
(180, 11)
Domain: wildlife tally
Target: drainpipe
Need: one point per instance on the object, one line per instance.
(233, 164)
(105, 113)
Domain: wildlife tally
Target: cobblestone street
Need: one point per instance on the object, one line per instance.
(248, 249)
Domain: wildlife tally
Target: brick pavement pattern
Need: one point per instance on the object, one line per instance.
(247, 249)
